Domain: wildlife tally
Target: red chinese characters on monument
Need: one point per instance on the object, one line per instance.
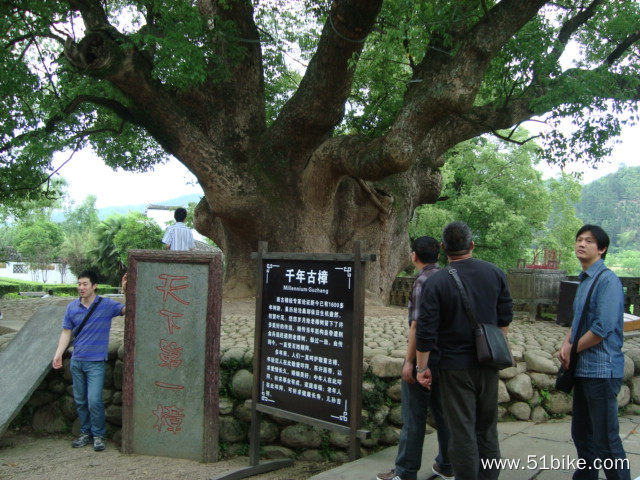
(170, 354)
(170, 417)
(169, 288)
(171, 324)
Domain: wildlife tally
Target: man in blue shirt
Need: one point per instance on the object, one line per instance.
(599, 371)
(90, 350)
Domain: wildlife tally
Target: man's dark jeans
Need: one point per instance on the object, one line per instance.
(470, 401)
(415, 402)
(594, 428)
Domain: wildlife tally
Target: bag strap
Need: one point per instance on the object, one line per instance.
(77, 331)
(583, 317)
(465, 300)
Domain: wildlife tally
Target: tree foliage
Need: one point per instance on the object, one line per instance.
(613, 202)
(500, 195)
(82, 218)
(106, 257)
(137, 232)
(314, 158)
(562, 224)
(38, 242)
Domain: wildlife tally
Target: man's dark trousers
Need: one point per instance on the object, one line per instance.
(595, 430)
(470, 401)
(415, 402)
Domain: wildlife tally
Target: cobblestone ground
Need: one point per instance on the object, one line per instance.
(26, 455)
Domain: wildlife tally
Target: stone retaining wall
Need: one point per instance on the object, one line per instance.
(526, 392)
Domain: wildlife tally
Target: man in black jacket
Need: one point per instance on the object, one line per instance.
(469, 391)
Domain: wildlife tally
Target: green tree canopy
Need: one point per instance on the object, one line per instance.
(137, 232)
(613, 202)
(105, 256)
(559, 232)
(38, 242)
(497, 192)
(82, 218)
(342, 150)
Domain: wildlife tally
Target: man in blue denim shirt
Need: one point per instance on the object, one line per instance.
(594, 423)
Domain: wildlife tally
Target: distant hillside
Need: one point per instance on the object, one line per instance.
(103, 213)
(613, 202)
(183, 200)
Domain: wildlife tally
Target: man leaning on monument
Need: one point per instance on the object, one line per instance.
(89, 319)
(416, 399)
(600, 364)
(469, 391)
(178, 236)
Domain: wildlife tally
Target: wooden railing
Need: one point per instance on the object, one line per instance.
(401, 291)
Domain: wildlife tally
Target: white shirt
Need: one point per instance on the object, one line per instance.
(178, 237)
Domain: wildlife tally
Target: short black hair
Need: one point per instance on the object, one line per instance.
(50, 292)
(457, 237)
(602, 239)
(180, 214)
(426, 249)
(90, 274)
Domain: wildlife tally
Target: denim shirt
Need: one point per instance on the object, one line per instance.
(605, 319)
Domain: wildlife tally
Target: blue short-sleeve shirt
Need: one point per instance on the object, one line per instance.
(605, 319)
(93, 342)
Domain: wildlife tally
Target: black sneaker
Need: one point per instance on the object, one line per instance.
(82, 440)
(99, 444)
(442, 473)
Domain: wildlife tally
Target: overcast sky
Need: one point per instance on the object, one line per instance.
(87, 174)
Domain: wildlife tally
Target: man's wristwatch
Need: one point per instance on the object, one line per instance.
(420, 370)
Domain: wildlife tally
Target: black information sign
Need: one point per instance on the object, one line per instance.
(306, 346)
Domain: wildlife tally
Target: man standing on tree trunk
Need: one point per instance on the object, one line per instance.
(89, 319)
(416, 399)
(469, 391)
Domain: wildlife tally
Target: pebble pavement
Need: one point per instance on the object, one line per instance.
(384, 334)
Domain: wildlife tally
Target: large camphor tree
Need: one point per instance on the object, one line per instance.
(309, 124)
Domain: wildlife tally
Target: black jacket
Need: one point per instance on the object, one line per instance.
(443, 322)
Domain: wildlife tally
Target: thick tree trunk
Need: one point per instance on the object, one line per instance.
(375, 213)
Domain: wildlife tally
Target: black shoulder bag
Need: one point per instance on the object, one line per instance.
(77, 331)
(492, 347)
(566, 378)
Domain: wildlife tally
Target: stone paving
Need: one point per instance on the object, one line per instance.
(385, 329)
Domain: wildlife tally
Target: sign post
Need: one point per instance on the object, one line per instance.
(309, 328)
(172, 354)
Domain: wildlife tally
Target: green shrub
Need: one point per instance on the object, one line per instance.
(11, 285)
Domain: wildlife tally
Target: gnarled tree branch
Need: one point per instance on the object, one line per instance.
(318, 104)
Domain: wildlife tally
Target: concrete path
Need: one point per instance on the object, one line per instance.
(536, 451)
(26, 361)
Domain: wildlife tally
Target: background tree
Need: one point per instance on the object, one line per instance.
(344, 152)
(105, 256)
(38, 242)
(613, 202)
(116, 236)
(137, 231)
(80, 236)
(83, 218)
(77, 251)
(497, 192)
(560, 229)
